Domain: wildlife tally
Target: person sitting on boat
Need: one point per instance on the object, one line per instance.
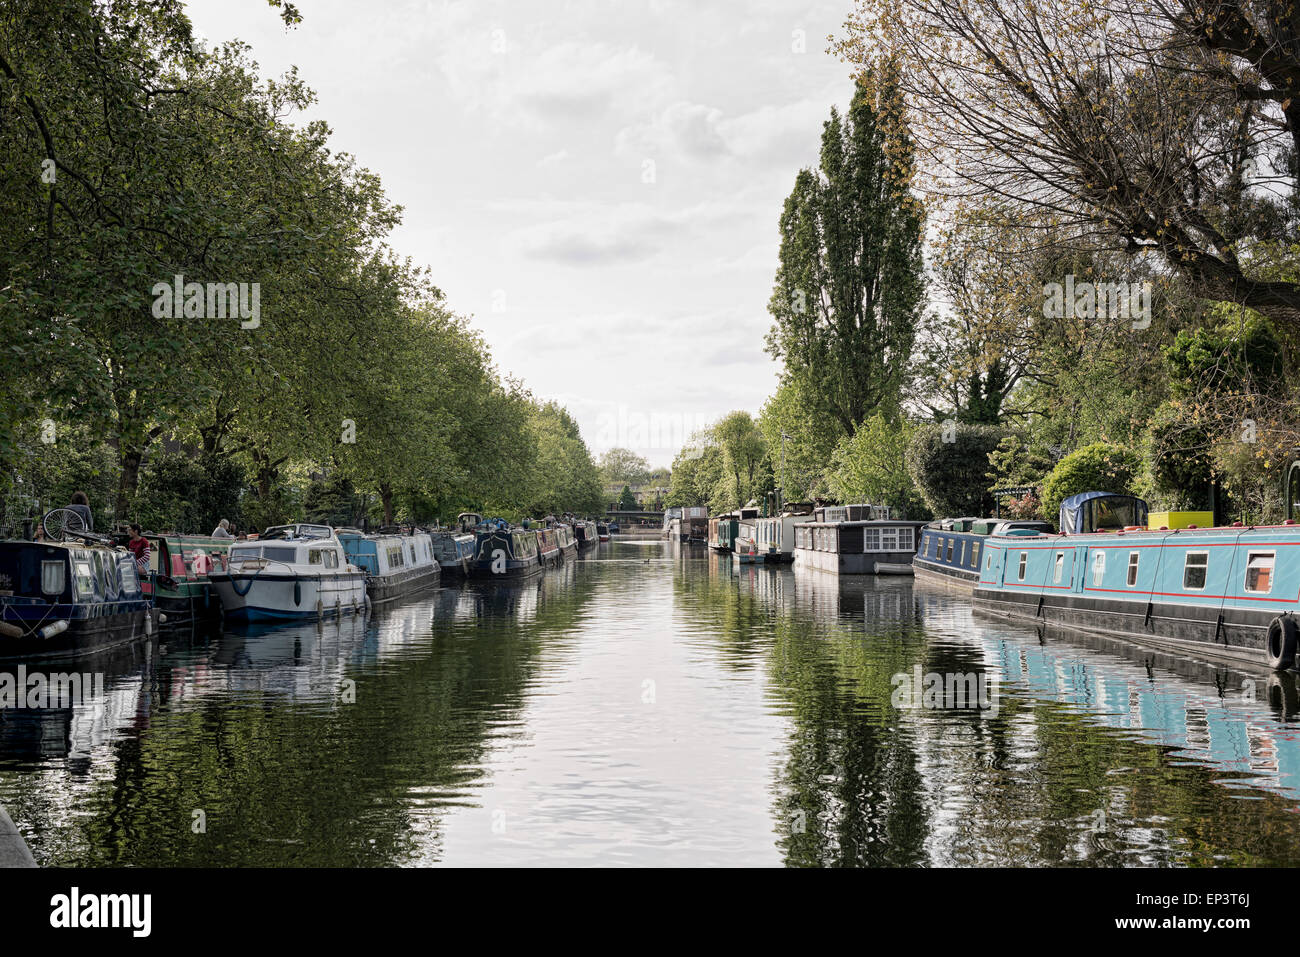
(139, 547)
(81, 505)
(222, 530)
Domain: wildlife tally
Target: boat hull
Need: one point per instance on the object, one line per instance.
(849, 563)
(386, 588)
(91, 629)
(960, 579)
(275, 597)
(1240, 636)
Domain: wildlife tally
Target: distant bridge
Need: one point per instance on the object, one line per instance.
(614, 513)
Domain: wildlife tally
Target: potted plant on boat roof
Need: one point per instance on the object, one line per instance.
(6, 585)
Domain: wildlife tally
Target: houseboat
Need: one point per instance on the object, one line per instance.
(566, 535)
(744, 548)
(602, 531)
(585, 533)
(504, 552)
(396, 566)
(856, 540)
(950, 548)
(290, 572)
(695, 524)
(1227, 592)
(723, 529)
(453, 548)
(68, 599)
(179, 570)
(548, 546)
(774, 536)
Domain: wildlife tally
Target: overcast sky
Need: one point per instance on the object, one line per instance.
(596, 184)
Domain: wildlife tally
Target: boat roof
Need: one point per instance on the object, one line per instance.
(298, 532)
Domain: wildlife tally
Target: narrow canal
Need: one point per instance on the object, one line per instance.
(647, 705)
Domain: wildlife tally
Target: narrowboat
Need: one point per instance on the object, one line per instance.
(585, 533)
(290, 572)
(950, 548)
(69, 599)
(602, 531)
(775, 535)
(454, 551)
(548, 546)
(395, 565)
(504, 552)
(179, 569)
(565, 534)
(1227, 592)
(855, 540)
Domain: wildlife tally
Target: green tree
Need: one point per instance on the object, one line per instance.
(849, 281)
(949, 464)
(872, 467)
(627, 501)
(1100, 467)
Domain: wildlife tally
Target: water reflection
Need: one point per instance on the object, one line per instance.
(652, 704)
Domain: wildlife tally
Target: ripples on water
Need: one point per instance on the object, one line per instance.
(648, 705)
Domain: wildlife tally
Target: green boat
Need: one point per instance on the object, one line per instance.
(178, 576)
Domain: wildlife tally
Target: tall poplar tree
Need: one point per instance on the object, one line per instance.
(849, 284)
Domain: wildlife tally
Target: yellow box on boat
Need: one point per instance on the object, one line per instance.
(1180, 519)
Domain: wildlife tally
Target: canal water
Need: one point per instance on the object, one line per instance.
(648, 705)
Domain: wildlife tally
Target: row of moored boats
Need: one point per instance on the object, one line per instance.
(1232, 591)
(86, 593)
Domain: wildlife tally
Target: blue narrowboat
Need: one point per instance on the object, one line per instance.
(395, 565)
(67, 599)
(454, 550)
(1231, 592)
(950, 548)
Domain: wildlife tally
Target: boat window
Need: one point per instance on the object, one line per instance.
(1259, 572)
(53, 578)
(975, 555)
(85, 580)
(871, 539)
(1194, 570)
(280, 554)
(962, 559)
(413, 558)
(1060, 568)
(950, 549)
(1133, 559)
(244, 554)
(314, 557)
(1098, 569)
(331, 558)
(907, 539)
(1024, 559)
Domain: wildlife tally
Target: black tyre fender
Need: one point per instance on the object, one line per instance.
(1280, 646)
